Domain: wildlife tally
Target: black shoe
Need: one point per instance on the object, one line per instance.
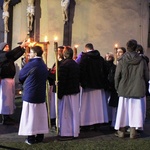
(85, 128)
(8, 121)
(29, 143)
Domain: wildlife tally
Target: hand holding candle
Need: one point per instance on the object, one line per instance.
(75, 52)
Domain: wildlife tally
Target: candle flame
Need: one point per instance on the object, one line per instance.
(28, 40)
(45, 39)
(55, 38)
(20, 92)
(116, 45)
(76, 46)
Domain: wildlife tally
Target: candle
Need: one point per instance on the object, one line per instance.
(75, 52)
(45, 39)
(55, 44)
(115, 53)
(116, 46)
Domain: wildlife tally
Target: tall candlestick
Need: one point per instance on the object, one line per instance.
(55, 44)
(115, 52)
(56, 80)
(45, 39)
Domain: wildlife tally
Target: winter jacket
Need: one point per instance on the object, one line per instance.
(131, 76)
(111, 68)
(92, 70)
(33, 76)
(7, 65)
(68, 77)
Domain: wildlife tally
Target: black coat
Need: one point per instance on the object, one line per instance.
(68, 78)
(92, 70)
(111, 68)
(8, 69)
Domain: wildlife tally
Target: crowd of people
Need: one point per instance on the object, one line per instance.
(92, 90)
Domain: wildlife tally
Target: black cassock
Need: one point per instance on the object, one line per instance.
(12, 2)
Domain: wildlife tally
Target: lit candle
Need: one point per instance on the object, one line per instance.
(116, 45)
(55, 43)
(45, 39)
(75, 52)
(115, 53)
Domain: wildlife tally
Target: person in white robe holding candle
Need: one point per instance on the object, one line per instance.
(68, 94)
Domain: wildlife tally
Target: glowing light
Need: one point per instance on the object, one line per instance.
(55, 38)
(76, 46)
(45, 39)
(20, 92)
(116, 45)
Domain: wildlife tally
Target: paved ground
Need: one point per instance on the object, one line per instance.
(10, 133)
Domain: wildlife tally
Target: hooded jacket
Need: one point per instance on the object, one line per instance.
(2, 54)
(7, 66)
(92, 70)
(131, 76)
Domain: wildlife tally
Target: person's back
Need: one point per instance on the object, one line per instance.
(33, 76)
(35, 83)
(68, 77)
(68, 93)
(92, 77)
(130, 82)
(132, 68)
(92, 70)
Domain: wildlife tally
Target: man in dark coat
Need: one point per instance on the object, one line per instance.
(68, 93)
(93, 80)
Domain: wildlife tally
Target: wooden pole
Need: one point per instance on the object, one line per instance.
(47, 87)
(56, 84)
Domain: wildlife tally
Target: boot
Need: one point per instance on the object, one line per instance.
(6, 120)
(133, 133)
(121, 132)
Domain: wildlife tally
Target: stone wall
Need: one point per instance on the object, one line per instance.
(101, 22)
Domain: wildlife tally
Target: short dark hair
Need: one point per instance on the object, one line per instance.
(38, 50)
(68, 52)
(61, 47)
(131, 45)
(89, 45)
(122, 48)
(140, 49)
